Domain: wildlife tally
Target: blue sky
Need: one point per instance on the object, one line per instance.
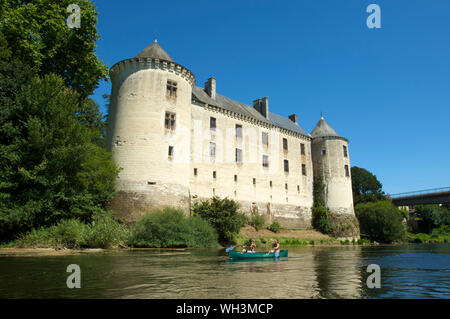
(387, 90)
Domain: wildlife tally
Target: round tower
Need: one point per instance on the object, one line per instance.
(331, 162)
(149, 129)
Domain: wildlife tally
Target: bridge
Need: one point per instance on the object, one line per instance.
(423, 197)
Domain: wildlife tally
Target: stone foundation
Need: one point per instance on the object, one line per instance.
(345, 226)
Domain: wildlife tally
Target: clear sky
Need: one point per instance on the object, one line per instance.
(387, 90)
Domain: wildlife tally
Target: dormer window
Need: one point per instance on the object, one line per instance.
(171, 89)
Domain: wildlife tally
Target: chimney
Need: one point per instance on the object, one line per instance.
(262, 106)
(293, 118)
(210, 87)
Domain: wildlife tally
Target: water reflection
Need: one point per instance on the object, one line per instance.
(308, 272)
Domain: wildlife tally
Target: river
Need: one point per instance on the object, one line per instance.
(407, 271)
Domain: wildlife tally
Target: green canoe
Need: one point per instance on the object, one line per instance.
(242, 255)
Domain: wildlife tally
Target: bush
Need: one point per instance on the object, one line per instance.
(171, 228)
(105, 232)
(431, 216)
(275, 227)
(321, 220)
(380, 221)
(257, 222)
(70, 233)
(223, 215)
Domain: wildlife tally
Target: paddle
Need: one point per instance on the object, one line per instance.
(230, 249)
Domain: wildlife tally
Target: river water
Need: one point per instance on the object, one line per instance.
(407, 271)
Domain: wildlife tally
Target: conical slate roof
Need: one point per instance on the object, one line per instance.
(323, 129)
(154, 51)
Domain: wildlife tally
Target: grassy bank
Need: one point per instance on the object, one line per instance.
(437, 235)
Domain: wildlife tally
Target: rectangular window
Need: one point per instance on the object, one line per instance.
(238, 155)
(286, 165)
(298, 188)
(235, 178)
(212, 149)
(265, 161)
(304, 169)
(324, 152)
(238, 131)
(170, 151)
(286, 186)
(212, 123)
(270, 184)
(345, 151)
(254, 181)
(214, 174)
(302, 149)
(195, 172)
(169, 122)
(265, 138)
(285, 144)
(347, 173)
(171, 89)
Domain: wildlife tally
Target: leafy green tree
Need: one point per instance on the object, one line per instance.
(365, 186)
(37, 33)
(50, 169)
(223, 215)
(431, 216)
(380, 221)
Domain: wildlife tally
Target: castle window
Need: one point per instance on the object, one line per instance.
(238, 155)
(212, 150)
(169, 122)
(302, 149)
(347, 172)
(235, 178)
(298, 188)
(286, 165)
(254, 181)
(285, 144)
(212, 123)
(265, 138)
(238, 131)
(265, 161)
(345, 151)
(170, 152)
(270, 184)
(324, 152)
(286, 186)
(214, 174)
(304, 169)
(171, 89)
(195, 172)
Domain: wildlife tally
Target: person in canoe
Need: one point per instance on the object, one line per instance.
(251, 247)
(275, 246)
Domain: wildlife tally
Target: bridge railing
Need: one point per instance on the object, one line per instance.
(426, 191)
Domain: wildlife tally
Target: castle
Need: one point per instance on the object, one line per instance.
(178, 143)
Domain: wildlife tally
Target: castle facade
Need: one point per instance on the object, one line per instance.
(178, 143)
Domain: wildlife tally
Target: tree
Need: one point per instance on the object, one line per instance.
(50, 169)
(380, 221)
(365, 186)
(37, 33)
(223, 215)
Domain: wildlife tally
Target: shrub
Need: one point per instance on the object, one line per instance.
(223, 215)
(105, 232)
(257, 222)
(171, 228)
(320, 219)
(380, 221)
(275, 227)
